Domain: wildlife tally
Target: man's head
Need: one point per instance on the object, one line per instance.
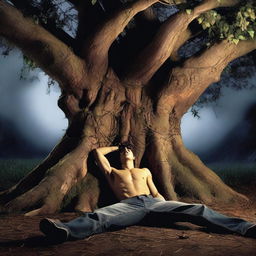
(126, 154)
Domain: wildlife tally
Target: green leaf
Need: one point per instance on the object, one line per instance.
(235, 41)
(35, 19)
(188, 11)
(225, 27)
(233, 26)
(203, 25)
(200, 20)
(207, 24)
(93, 2)
(246, 14)
(230, 37)
(241, 37)
(252, 15)
(251, 33)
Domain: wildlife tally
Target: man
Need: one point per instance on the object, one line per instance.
(139, 201)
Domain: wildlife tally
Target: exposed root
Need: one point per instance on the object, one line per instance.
(89, 194)
(197, 180)
(157, 155)
(49, 193)
(36, 175)
(34, 212)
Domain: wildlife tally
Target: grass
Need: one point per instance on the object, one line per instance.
(233, 174)
(12, 170)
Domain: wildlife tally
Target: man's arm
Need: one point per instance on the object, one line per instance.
(101, 160)
(153, 190)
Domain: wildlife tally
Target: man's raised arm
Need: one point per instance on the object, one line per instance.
(101, 160)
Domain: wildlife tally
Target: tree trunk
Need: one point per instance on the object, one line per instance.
(119, 113)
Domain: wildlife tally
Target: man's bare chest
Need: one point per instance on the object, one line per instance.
(132, 175)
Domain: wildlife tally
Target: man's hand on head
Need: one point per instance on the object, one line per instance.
(123, 145)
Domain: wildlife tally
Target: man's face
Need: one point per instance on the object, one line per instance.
(126, 154)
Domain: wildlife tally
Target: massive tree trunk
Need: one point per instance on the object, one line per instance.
(104, 108)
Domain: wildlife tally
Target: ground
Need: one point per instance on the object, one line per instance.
(20, 235)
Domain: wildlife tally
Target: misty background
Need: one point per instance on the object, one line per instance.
(31, 122)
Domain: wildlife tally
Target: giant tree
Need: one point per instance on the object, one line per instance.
(123, 78)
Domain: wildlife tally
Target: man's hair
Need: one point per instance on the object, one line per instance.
(123, 145)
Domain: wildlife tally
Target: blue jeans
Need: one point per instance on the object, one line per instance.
(151, 210)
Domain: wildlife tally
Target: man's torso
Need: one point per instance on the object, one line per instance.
(128, 183)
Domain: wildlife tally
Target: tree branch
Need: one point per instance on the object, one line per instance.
(52, 55)
(183, 38)
(27, 9)
(97, 46)
(162, 46)
(198, 73)
(89, 17)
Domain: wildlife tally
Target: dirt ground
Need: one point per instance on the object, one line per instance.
(20, 235)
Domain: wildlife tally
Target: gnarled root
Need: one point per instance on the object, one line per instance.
(48, 194)
(158, 152)
(193, 179)
(36, 175)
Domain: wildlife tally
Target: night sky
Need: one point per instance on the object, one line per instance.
(31, 123)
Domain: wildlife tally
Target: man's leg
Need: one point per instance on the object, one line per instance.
(173, 211)
(126, 213)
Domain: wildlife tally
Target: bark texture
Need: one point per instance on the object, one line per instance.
(105, 107)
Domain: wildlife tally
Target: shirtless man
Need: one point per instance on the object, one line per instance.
(139, 198)
(129, 181)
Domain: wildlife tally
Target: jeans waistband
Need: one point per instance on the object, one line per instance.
(139, 196)
(145, 195)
